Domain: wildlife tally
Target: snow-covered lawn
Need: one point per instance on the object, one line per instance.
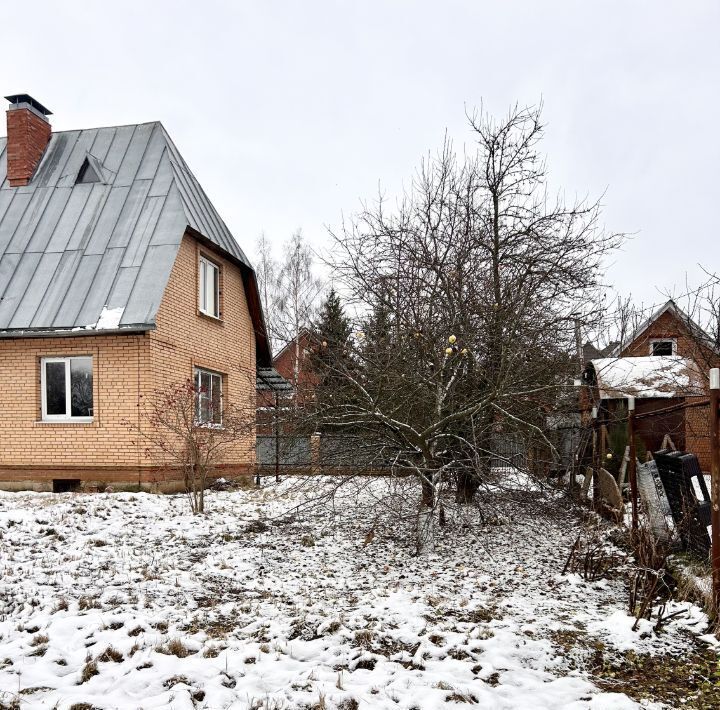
(128, 601)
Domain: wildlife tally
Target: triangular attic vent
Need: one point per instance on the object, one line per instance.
(87, 173)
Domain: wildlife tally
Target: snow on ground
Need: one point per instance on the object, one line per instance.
(128, 601)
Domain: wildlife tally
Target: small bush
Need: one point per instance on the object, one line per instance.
(175, 647)
(85, 603)
(89, 670)
(111, 654)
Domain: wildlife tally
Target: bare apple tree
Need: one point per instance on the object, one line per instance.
(468, 290)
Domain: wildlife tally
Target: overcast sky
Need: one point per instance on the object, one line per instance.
(290, 112)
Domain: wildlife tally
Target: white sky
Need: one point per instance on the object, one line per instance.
(290, 112)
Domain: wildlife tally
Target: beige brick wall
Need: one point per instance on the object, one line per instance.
(183, 337)
(127, 369)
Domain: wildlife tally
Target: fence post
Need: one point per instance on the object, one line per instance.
(715, 482)
(632, 470)
(277, 437)
(596, 459)
(315, 453)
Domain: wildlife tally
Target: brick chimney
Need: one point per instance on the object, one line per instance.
(28, 133)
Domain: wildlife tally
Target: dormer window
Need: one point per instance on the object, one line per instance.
(87, 174)
(663, 346)
(209, 288)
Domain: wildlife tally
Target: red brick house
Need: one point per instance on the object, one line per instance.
(117, 278)
(665, 361)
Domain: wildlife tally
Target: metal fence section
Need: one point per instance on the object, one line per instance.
(285, 451)
(508, 450)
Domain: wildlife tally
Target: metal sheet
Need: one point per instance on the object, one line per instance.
(15, 291)
(71, 214)
(108, 219)
(130, 213)
(143, 231)
(133, 156)
(57, 288)
(98, 284)
(45, 227)
(89, 217)
(122, 287)
(13, 216)
(144, 301)
(35, 210)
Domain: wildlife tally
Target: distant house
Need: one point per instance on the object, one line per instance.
(291, 382)
(117, 278)
(664, 362)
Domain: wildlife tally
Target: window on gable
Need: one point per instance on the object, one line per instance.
(209, 288)
(67, 388)
(662, 347)
(208, 393)
(87, 173)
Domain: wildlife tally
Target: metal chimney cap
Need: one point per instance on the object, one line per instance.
(27, 99)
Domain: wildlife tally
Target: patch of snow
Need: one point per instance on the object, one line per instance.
(109, 318)
(651, 376)
(271, 620)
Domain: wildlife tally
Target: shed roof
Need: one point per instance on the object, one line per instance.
(646, 377)
(268, 378)
(97, 256)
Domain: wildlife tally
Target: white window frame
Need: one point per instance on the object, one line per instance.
(213, 374)
(205, 291)
(67, 417)
(663, 340)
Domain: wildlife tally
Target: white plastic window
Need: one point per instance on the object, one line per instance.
(208, 406)
(67, 388)
(209, 288)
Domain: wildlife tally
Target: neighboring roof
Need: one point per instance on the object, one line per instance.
(668, 307)
(304, 334)
(590, 352)
(645, 377)
(268, 378)
(70, 253)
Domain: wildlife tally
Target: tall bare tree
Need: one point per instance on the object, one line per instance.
(297, 290)
(266, 270)
(471, 284)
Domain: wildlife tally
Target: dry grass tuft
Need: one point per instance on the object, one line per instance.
(111, 654)
(89, 670)
(175, 647)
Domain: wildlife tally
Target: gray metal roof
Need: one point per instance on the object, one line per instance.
(97, 256)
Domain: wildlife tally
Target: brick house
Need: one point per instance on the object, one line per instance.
(663, 362)
(118, 278)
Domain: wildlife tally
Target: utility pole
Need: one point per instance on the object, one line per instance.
(578, 345)
(715, 484)
(632, 469)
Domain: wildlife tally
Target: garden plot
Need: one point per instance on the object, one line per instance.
(128, 601)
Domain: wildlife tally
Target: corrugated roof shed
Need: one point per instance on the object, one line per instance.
(73, 254)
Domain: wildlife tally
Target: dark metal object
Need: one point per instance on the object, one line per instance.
(677, 470)
(632, 463)
(27, 99)
(715, 485)
(269, 379)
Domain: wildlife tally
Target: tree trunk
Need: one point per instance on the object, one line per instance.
(468, 483)
(426, 518)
